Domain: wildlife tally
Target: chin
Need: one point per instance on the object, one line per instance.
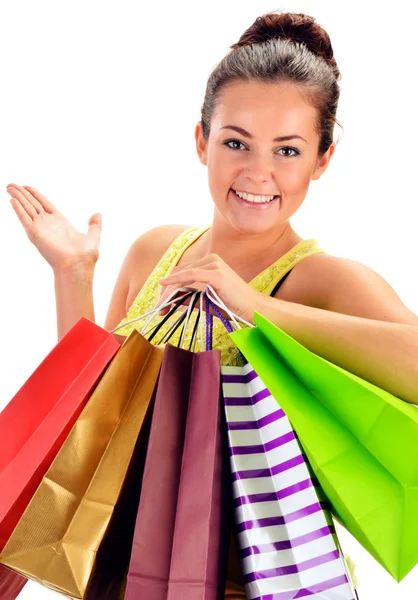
(251, 227)
(250, 222)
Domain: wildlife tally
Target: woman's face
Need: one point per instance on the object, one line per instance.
(244, 154)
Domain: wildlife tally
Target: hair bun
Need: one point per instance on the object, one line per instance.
(298, 27)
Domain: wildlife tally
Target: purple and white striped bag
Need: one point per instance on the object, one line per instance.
(287, 543)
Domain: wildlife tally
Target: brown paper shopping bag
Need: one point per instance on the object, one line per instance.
(57, 540)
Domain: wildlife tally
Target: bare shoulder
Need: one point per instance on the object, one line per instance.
(146, 251)
(345, 286)
(156, 241)
(142, 256)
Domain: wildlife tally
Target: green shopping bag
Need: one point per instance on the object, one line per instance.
(361, 441)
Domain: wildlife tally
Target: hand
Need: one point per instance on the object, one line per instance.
(53, 235)
(239, 297)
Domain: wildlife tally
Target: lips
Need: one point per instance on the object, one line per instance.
(240, 192)
(255, 205)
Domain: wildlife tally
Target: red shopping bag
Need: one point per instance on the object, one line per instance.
(35, 423)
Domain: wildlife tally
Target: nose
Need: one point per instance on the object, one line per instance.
(258, 170)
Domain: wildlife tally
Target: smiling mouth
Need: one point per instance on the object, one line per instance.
(255, 198)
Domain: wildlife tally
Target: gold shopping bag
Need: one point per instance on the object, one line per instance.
(58, 538)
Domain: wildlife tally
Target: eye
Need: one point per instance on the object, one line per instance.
(237, 145)
(295, 150)
(229, 143)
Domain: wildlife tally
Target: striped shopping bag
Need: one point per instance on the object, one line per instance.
(287, 543)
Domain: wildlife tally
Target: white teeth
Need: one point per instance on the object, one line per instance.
(252, 198)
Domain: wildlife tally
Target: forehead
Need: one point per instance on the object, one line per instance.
(271, 108)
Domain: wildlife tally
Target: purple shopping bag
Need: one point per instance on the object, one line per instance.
(152, 544)
(202, 527)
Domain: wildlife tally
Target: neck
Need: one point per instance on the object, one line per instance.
(235, 247)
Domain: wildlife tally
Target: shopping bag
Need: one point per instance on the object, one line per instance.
(35, 423)
(11, 584)
(361, 441)
(288, 546)
(203, 516)
(56, 542)
(109, 574)
(153, 539)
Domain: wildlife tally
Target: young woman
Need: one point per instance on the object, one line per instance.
(266, 131)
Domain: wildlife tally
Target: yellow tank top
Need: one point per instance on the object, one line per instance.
(150, 292)
(264, 282)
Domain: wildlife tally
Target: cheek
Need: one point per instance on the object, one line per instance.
(220, 171)
(296, 177)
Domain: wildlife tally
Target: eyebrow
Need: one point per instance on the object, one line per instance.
(284, 138)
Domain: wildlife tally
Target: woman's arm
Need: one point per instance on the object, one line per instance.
(73, 296)
(71, 254)
(376, 338)
(364, 327)
(141, 259)
(383, 353)
(74, 284)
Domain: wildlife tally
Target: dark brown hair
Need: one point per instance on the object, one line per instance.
(282, 47)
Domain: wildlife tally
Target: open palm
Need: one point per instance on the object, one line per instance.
(57, 240)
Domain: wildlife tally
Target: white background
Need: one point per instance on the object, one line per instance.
(98, 107)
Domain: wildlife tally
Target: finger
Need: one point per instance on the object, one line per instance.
(46, 204)
(173, 294)
(170, 289)
(162, 298)
(210, 261)
(20, 197)
(189, 277)
(23, 216)
(15, 189)
(165, 310)
(168, 294)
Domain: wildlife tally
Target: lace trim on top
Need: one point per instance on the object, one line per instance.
(148, 296)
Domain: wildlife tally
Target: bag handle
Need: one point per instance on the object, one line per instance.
(177, 304)
(215, 304)
(184, 319)
(212, 301)
(185, 316)
(187, 292)
(216, 300)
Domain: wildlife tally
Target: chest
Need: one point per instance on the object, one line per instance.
(304, 284)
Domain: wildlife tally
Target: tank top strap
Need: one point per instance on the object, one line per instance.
(148, 294)
(266, 281)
